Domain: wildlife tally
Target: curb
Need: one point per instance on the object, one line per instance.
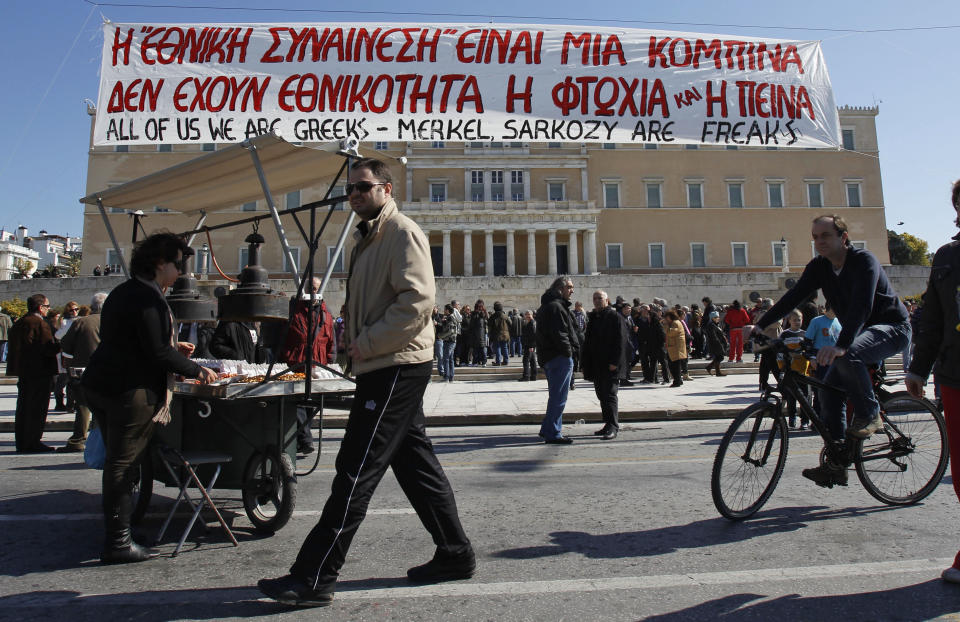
(337, 420)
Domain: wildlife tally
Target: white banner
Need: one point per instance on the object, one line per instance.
(202, 83)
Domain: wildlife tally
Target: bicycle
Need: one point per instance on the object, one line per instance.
(898, 465)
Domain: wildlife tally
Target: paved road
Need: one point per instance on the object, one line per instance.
(622, 530)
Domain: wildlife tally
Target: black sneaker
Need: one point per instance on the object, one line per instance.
(304, 449)
(827, 476)
(291, 590)
(445, 567)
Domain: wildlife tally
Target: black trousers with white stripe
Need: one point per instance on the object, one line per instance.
(385, 429)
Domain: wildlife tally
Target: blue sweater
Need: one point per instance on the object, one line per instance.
(860, 295)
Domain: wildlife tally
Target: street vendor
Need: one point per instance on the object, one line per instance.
(390, 294)
(128, 379)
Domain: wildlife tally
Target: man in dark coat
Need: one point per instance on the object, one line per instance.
(607, 351)
(528, 342)
(233, 341)
(33, 359)
(557, 341)
(78, 344)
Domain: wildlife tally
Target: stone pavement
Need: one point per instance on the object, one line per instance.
(471, 402)
(506, 401)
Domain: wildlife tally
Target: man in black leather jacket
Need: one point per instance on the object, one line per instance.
(937, 341)
(557, 340)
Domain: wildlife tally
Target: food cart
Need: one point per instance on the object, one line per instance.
(253, 421)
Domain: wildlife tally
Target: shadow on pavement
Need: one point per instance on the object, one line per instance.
(922, 601)
(665, 540)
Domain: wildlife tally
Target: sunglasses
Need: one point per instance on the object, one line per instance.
(363, 186)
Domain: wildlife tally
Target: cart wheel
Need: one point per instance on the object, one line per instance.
(269, 490)
(142, 489)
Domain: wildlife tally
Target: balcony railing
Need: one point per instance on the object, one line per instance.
(427, 205)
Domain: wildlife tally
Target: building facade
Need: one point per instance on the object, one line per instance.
(534, 209)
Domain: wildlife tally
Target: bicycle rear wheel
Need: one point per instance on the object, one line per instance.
(749, 461)
(904, 462)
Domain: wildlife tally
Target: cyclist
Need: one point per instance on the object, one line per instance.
(938, 341)
(874, 325)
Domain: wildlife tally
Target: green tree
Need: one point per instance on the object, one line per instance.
(23, 268)
(15, 308)
(907, 250)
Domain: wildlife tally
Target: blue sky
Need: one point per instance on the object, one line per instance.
(906, 64)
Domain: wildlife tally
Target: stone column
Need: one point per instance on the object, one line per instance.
(532, 252)
(572, 253)
(584, 190)
(552, 252)
(526, 186)
(511, 259)
(488, 252)
(590, 251)
(467, 253)
(446, 253)
(408, 191)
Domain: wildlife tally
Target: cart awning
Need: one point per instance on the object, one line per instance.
(226, 178)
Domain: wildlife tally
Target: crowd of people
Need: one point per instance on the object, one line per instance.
(130, 346)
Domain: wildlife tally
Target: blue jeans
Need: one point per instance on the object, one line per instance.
(501, 352)
(515, 348)
(558, 370)
(438, 355)
(446, 366)
(849, 372)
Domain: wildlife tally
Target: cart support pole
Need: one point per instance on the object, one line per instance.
(113, 238)
(336, 253)
(273, 213)
(203, 219)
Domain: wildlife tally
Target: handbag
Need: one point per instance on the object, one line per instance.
(95, 452)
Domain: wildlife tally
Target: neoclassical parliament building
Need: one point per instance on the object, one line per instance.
(520, 209)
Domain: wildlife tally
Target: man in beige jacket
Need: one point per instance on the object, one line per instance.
(390, 296)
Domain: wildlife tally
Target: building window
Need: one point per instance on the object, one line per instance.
(735, 194)
(555, 191)
(157, 208)
(296, 260)
(861, 245)
(438, 192)
(516, 145)
(496, 145)
(694, 195)
(739, 250)
(381, 145)
(691, 146)
(775, 194)
(848, 142)
(117, 210)
(476, 185)
(698, 254)
(655, 252)
(609, 145)
(437, 144)
(516, 186)
(338, 191)
(815, 194)
(496, 185)
(614, 256)
(853, 194)
(554, 145)
(249, 207)
(121, 148)
(209, 147)
(732, 147)
(777, 251)
(651, 146)
(293, 199)
(338, 265)
(611, 194)
(165, 148)
(653, 195)
(113, 259)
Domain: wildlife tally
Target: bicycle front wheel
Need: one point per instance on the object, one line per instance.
(749, 461)
(904, 462)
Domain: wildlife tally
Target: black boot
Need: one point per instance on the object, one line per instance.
(119, 547)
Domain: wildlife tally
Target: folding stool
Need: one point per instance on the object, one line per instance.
(184, 461)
